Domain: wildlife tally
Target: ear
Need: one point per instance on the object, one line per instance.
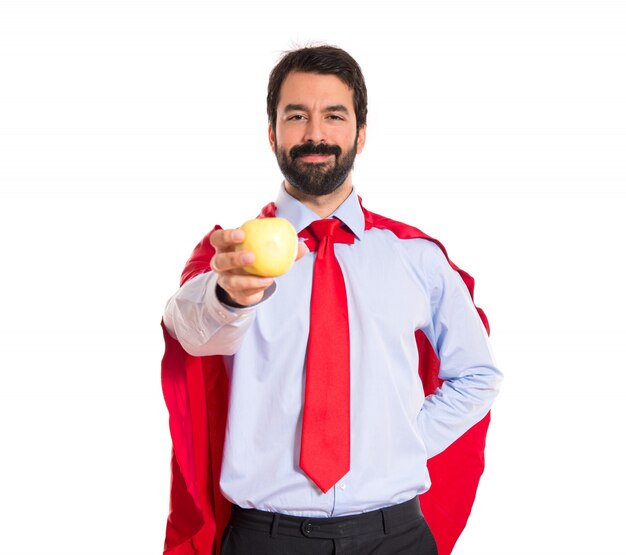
(272, 137)
(360, 139)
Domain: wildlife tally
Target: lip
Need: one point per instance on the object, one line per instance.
(315, 158)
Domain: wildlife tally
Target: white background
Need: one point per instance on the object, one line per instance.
(129, 128)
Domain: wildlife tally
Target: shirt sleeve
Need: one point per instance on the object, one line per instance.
(470, 377)
(202, 324)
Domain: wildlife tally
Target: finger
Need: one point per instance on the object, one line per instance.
(231, 261)
(225, 239)
(236, 285)
(252, 292)
(302, 250)
(249, 300)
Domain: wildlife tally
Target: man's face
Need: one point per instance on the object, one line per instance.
(315, 140)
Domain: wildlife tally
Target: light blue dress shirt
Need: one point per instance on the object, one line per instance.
(394, 287)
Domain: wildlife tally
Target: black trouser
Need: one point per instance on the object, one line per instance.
(397, 530)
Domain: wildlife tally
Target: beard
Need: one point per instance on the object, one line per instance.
(316, 179)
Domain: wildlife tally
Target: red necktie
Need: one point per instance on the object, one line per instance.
(325, 445)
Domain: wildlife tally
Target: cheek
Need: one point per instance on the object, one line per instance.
(286, 135)
(283, 146)
(346, 138)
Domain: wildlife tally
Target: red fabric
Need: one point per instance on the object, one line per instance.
(325, 444)
(196, 394)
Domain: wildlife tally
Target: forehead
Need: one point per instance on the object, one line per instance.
(312, 89)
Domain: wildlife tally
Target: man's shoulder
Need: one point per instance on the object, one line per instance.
(410, 239)
(399, 229)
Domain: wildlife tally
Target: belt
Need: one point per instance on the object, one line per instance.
(380, 520)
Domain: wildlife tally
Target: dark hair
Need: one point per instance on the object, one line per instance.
(326, 60)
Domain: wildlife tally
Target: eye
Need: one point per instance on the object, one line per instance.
(296, 117)
(335, 117)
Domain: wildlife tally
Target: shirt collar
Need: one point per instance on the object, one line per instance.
(300, 216)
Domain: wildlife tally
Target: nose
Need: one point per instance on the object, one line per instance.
(313, 132)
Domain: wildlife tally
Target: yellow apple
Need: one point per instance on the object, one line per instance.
(273, 241)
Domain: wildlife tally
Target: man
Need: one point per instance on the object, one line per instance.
(337, 467)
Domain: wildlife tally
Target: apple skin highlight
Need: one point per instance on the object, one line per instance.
(273, 241)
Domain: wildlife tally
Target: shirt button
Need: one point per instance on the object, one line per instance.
(342, 485)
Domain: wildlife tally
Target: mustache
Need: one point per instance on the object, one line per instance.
(308, 148)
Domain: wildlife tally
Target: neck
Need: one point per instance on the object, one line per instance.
(323, 205)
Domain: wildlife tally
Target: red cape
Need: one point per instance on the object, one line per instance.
(196, 393)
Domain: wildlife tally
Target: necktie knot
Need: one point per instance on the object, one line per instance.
(321, 229)
(316, 232)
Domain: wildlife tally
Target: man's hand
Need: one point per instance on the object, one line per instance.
(242, 288)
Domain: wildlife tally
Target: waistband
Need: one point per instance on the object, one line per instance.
(380, 520)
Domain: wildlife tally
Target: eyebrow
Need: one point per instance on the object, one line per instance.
(303, 108)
